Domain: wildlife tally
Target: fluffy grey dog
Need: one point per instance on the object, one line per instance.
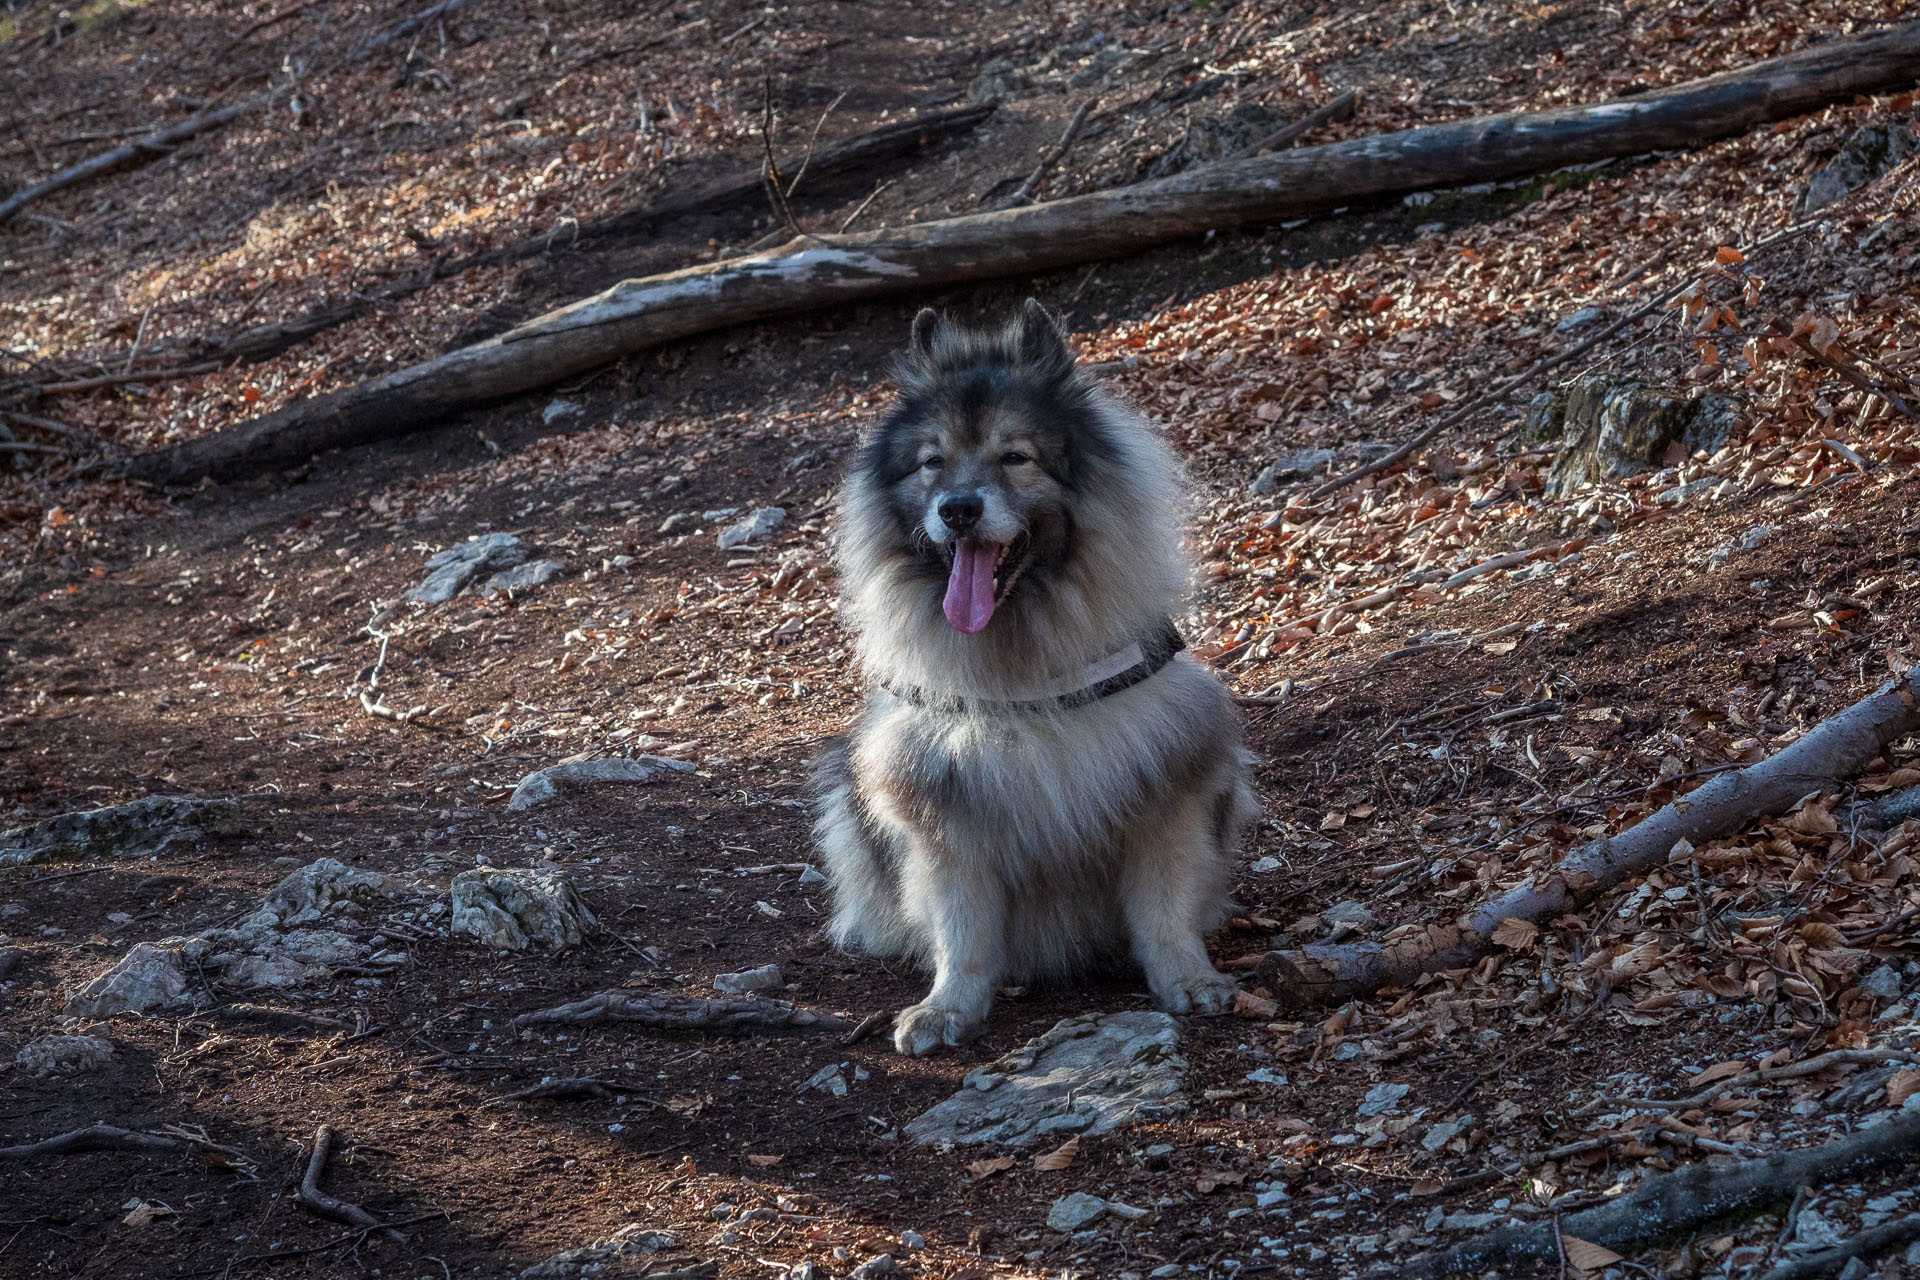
(1041, 782)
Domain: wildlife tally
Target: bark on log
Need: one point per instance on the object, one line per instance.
(1686, 1198)
(818, 271)
(1835, 748)
(729, 1016)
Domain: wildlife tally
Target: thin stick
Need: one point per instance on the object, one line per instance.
(770, 176)
(327, 1206)
(1025, 194)
(813, 138)
(116, 379)
(1341, 107)
(862, 207)
(1501, 388)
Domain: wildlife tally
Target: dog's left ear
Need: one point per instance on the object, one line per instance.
(1041, 345)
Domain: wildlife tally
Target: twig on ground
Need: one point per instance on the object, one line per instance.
(585, 1087)
(770, 175)
(733, 1015)
(284, 1017)
(868, 1025)
(1683, 1199)
(120, 379)
(862, 206)
(812, 138)
(1025, 192)
(327, 1206)
(370, 699)
(1339, 109)
(1826, 1262)
(1759, 1075)
(106, 1137)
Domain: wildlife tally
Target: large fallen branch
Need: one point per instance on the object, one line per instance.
(326, 1206)
(888, 143)
(729, 1016)
(1684, 1199)
(1836, 748)
(107, 1137)
(820, 271)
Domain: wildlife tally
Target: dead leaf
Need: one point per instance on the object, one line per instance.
(1813, 819)
(1718, 1071)
(1587, 1255)
(764, 1162)
(1516, 934)
(1903, 1084)
(1254, 1008)
(988, 1167)
(1058, 1158)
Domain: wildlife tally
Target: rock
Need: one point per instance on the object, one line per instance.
(558, 409)
(147, 977)
(880, 1267)
(257, 954)
(765, 978)
(1747, 541)
(11, 958)
(912, 1240)
(1087, 1074)
(760, 522)
(521, 577)
(518, 910)
(1072, 1212)
(1441, 1134)
(1383, 1099)
(1261, 866)
(828, 1080)
(137, 829)
(63, 1056)
(1814, 1230)
(454, 568)
(678, 521)
(1614, 426)
(1472, 1221)
(1349, 912)
(631, 1241)
(1546, 418)
(543, 785)
(1883, 983)
(1585, 315)
(1267, 1075)
(1681, 494)
(1301, 465)
(999, 79)
(1870, 152)
(1210, 138)
(323, 887)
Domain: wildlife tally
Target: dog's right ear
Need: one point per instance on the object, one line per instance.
(927, 328)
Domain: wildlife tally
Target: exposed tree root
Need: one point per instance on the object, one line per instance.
(1835, 748)
(1682, 1200)
(730, 1016)
(327, 1206)
(1826, 1262)
(106, 1137)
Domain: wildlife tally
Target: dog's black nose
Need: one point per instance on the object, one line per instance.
(961, 511)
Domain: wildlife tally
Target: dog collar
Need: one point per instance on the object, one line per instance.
(1102, 679)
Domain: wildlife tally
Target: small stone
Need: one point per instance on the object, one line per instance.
(1856, 1269)
(543, 785)
(765, 978)
(678, 521)
(880, 1267)
(1383, 1099)
(1072, 1212)
(63, 1056)
(1299, 465)
(828, 1080)
(1585, 315)
(912, 1240)
(759, 523)
(522, 577)
(11, 958)
(558, 409)
(813, 875)
(1883, 983)
(1267, 1075)
(999, 79)
(1814, 1230)
(519, 910)
(596, 1259)
(147, 977)
(1441, 1134)
(1350, 913)
(450, 570)
(1870, 152)
(1261, 866)
(1271, 1196)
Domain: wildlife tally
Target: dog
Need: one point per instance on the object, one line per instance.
(1041, 782)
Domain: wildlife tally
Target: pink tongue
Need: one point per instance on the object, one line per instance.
(969, 602)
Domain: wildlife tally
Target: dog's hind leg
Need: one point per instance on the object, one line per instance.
(1173, 888)
(866, 902)
(963, 909)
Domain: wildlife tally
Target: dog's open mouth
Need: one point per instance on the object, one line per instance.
(981, 576)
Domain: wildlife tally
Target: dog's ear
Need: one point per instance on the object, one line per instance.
(927, 327)
(1040, 344)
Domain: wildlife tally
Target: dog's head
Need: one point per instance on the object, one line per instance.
(983, 457)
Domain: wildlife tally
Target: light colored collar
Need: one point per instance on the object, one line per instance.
(1099, 679)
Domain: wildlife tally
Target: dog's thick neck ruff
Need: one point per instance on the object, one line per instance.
(1100, 679)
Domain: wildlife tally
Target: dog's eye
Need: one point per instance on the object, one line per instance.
(933, 464)
(1013, 459)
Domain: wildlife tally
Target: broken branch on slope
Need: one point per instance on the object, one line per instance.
(328, 1206)
(730, 1016)
(1835, 748)
(819, 271)
(1684, 1199)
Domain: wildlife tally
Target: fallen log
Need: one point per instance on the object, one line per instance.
(728, 1016)
(818, 271)
(1686, 1198)
(1835, 748)
(890, 142)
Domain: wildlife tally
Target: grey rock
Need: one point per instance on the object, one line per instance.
(521, 577)
(1300, 465)
(1870, 152)
(1441, 1134)
(879, 1267)
(603, 1257)
(1087, 1074)
(137, 829)
(452, 569)
(1546, 418)
(759, 522)
(324, 887)
(62, 1056)
(1471, 1221)
(765, 978)
(1747, 541)
(1883, 983)
(998, 80)
(1681, 494)
(147, 977)
(678, 521)
(1615, 426)
(1814, 1230)
(1585, 315)
(1383, 1099)
(1072, 1212)
(258, 954)
(558, 409)
(828, 1080)
(520, 910)
(1856, 1269)
(1349, 912)
(543, 785)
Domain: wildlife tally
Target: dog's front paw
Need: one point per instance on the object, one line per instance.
(927, 1026)
(1207, 992)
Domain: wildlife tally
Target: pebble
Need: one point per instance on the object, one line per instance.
(1383, 1099)
(766, 978)
(758, 524)
(1072, 1212)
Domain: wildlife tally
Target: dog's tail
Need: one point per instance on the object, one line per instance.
(866, 896)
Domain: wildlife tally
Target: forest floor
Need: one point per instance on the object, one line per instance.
(1414, 753)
